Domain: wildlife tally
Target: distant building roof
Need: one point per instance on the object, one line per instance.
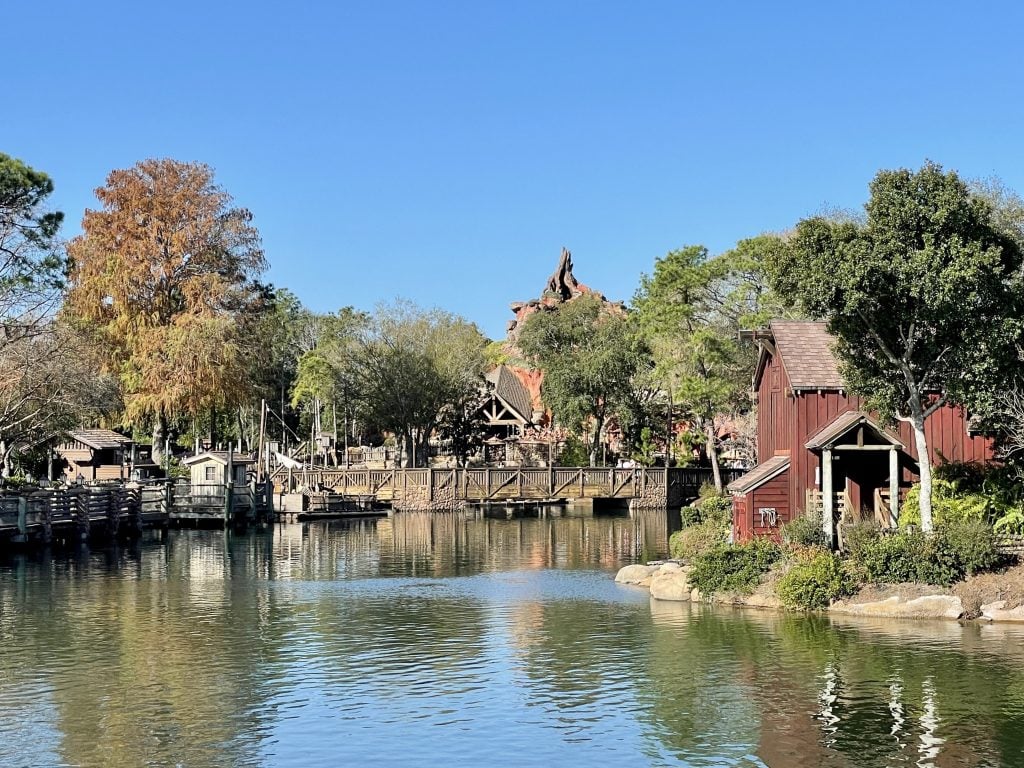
(99, 439)
(509, 388)
(219, 456)
(806, 351)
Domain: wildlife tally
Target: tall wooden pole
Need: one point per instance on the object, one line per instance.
(263, 431)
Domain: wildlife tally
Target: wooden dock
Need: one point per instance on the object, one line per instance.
(108, 511)
(416, 488)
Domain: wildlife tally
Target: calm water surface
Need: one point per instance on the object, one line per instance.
(461, 641)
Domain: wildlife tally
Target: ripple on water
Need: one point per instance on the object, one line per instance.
(462, 643)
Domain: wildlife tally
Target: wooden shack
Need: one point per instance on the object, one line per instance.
(820, 450)
(218, 467)
(94, 454)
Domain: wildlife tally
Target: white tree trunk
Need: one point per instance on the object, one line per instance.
(925, 464)
(712, 451)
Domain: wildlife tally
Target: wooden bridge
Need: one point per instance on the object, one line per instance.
(416, 487)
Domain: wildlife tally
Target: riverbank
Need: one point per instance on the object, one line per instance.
(986, 597)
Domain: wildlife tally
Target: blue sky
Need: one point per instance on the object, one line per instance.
(445, 151)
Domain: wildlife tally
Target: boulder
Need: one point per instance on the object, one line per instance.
(669, 567)
(760, 600)
(895, 607)
(998, 611)
(634, 574)
(671, 585)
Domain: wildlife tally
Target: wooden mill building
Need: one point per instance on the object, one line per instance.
(818, 449)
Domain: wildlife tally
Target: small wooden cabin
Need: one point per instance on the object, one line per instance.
(820, 450)
(94, 454)
(217, 467)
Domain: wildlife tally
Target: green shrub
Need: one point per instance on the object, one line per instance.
(696, 539)
(949, 504)
(733, 567)
(805, 531)
(955, 550)
(814, 581)
(1010, 521)
(574, 453)
(886, 559)
(969, 546)
(717, 507)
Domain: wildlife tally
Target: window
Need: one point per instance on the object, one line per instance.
(211, 473)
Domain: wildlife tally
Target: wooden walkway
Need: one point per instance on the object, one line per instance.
(510, 484)
(109, 511)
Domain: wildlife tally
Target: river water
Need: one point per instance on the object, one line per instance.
(457, 640)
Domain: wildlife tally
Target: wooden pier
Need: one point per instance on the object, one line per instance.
(424, 488)
(81, 513)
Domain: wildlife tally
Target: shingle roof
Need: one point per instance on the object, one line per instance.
(100, 439)
(509, 388)
(759, 475)
(806, 350)
(219, 456)
(843, 423)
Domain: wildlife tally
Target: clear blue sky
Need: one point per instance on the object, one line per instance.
(445, 151)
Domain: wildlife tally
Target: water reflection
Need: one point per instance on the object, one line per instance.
(425, 639)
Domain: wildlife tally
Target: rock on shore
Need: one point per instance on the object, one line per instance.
(898, 607)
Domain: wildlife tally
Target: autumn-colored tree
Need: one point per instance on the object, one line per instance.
(161, 274)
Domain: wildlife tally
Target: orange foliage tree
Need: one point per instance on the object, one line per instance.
(164, 277)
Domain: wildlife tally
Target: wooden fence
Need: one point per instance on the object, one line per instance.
(114, 509)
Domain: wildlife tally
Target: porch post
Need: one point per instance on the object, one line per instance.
(894, 487)
(827, 498)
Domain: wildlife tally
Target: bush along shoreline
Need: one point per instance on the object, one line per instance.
(955, 572)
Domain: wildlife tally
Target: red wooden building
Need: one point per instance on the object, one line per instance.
(818, 449)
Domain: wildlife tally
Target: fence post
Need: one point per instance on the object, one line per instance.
(229, 501)
(51, 501)
(113, 511)
(82, 522)
(22, 516)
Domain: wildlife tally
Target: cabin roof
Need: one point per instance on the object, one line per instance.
(829, 434)
(510, 389)
(220, 457)
(806, 351)
(760, 474)
(99, 439)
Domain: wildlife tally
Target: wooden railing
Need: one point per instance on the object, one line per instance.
(509, 483)
(78, 511)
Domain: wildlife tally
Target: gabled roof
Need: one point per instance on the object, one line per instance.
(99, 439)
(842, 424)
(760, 474)
(806, 351)
(220, 457)
(507, 386)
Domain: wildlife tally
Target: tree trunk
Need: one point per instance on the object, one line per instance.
(595, 446)
(213, 429)
(925, 464)
(160, 439)
(408, 452)
(712, 451)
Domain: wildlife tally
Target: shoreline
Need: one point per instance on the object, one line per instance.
(667, 580)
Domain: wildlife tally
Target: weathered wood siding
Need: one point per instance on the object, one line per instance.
(774, 494)
(740, 520)
(787, 420)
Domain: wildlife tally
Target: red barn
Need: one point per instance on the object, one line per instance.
(818, 449)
